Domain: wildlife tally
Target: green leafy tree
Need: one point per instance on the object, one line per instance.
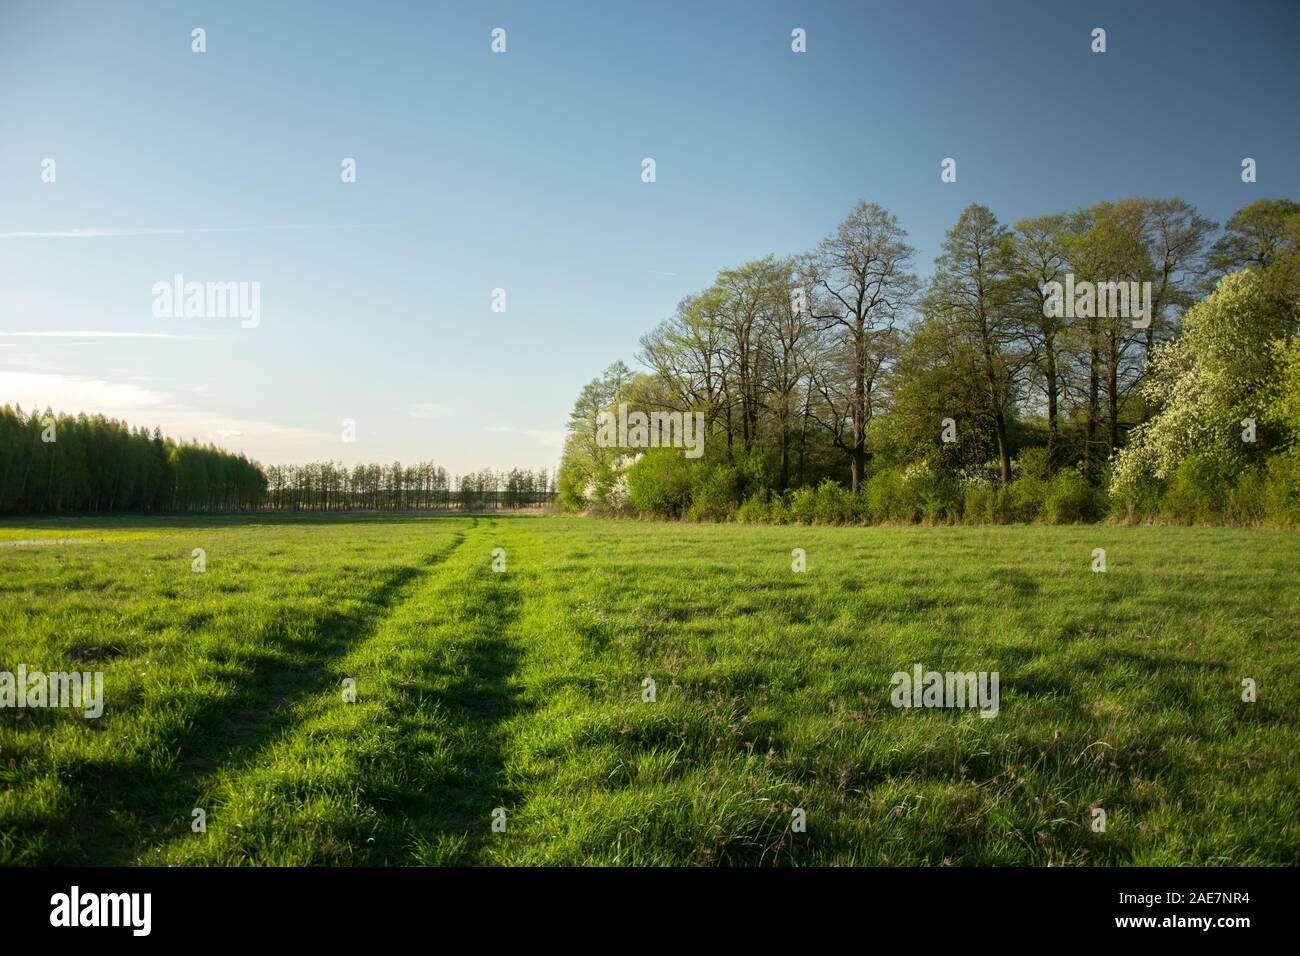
(972, 294)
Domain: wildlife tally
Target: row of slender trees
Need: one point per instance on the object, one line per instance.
(328, 486)
(89, 463)
(842, 360)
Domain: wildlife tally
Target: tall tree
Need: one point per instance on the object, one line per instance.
(1041, 256)
(790, 351)
(973, 289)
(861, 286)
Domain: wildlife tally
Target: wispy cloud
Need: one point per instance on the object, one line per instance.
(67, 393)
(96, 334)
(431, 410)
(551, 439)
(124, 231)
(267, 441)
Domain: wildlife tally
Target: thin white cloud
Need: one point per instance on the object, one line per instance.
(551, 439)
(431, 410)
(266, 441)
(27, 360)
(116, 232)
(66, 393)
(98, 334)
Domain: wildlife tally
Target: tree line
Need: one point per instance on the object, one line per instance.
(327, 486)
(841, 364)
(88, 463)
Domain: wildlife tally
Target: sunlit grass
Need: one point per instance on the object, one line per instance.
(523, 691)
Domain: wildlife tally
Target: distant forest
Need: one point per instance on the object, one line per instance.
(62, 463)
(334, 487)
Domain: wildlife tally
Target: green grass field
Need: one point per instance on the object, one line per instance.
(523, 690)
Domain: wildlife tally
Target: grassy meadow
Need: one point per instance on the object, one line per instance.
(522, 690)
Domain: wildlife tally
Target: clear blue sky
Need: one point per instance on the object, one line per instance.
(522, 171)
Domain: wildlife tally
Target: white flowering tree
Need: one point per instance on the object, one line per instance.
(1229, 365)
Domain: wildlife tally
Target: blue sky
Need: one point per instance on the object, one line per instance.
(522, 171)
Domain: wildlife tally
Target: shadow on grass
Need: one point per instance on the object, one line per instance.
(445, 818)
(428, 798)
(125, 806)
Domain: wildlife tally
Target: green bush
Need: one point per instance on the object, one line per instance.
(659, 483)
(1196, 492)
(778, 509)
(1247, 500)
(1134, 501)
(974, 501)
(1034, 463)
(983, 502)
(887, 498)
(754, 473)
(714, 493)
(1282, 490)
(1026, 497)
(1069, 498)
(666, 484)
(861, 506)
(803, 505)
(929, 495)
(755, 509)
(832, 503)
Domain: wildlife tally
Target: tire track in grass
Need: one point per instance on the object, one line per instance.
(408, 773)
(159, 798)
(471, 666)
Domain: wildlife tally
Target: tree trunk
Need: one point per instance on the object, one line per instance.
(1112, 410)
(784, 478)
(1093, 387)
(859, 414)
(803, 436)
(1053, 439)
(1004, 452)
